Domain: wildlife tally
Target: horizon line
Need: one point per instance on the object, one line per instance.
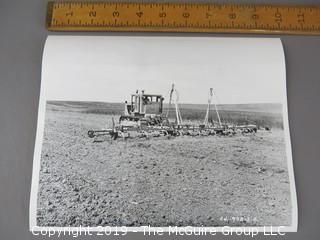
(97, 101)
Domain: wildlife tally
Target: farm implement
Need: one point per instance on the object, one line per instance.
(137, 122)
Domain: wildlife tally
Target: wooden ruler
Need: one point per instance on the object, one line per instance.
(183, 17)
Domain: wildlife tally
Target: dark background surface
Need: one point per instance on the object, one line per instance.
(22, 37)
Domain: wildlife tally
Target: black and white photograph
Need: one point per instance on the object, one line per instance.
(163, 131)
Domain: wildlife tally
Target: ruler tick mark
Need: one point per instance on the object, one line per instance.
(189, 16)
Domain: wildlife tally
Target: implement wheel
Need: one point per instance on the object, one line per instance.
(114, 135)
(90, 134)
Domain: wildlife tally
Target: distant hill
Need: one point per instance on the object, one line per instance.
(269, 114)
(252, 107)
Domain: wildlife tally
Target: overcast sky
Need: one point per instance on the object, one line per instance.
(109, 69)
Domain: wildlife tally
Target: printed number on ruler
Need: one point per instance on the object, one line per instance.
(174, 17)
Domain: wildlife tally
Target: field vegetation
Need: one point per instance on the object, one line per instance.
(183, 181)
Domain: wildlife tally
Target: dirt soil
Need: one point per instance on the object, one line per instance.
(184, 181)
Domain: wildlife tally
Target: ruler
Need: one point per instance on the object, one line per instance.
(183, 17)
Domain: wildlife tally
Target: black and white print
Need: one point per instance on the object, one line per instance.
(163, 131)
